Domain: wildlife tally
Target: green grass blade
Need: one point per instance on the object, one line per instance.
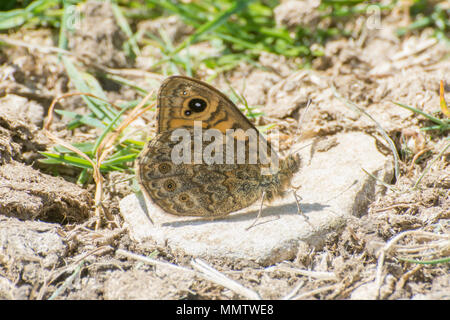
(12, 19)
(62, 40)
(97, 90)
(123, 81)
(426, 115)
(81, 86)
(17, 17)
(125, 27)
(75, 161)
(82, 119)
(434, 261)
(383, 132)
(138, 144)
(120, 160)
(107, 130)
(214, 23)
(437, 127)
(85, 147)
(68, 159)
(83, 177)
(182, 11)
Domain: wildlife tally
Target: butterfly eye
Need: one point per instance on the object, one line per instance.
(170, 185)
(197, 105)
(164, 168)
(183, 197)
(189, 204)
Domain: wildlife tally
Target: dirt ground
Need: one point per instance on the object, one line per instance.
(49, 248)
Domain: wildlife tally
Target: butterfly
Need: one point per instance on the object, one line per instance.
(205, 188)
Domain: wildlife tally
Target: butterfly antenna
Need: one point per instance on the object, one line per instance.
(302, 147)
(241, 97)
(300, 121)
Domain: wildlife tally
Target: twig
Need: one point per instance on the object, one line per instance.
(50, 49)
(406, 276)
(294, 291)
(398, 205)
(211, 274)
(201, 269)
(105, 147)
(96, 167)
(416, 49)
(97, 176)
(417, 248)
(316, 291)
(416, 156)
(379, 272)
(94, 251)
(68, 281)
(429, 166)
(44, 287)
(307, 273)
(353, 106)
(392, 188)
(64, 96)
(151, 261)
(43, 49)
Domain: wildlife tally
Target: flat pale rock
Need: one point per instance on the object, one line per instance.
(333, 187)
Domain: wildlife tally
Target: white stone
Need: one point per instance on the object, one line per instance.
(333, 187)
(367, 291)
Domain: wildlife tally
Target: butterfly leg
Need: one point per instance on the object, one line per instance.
(297, 200)
(259, 213)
